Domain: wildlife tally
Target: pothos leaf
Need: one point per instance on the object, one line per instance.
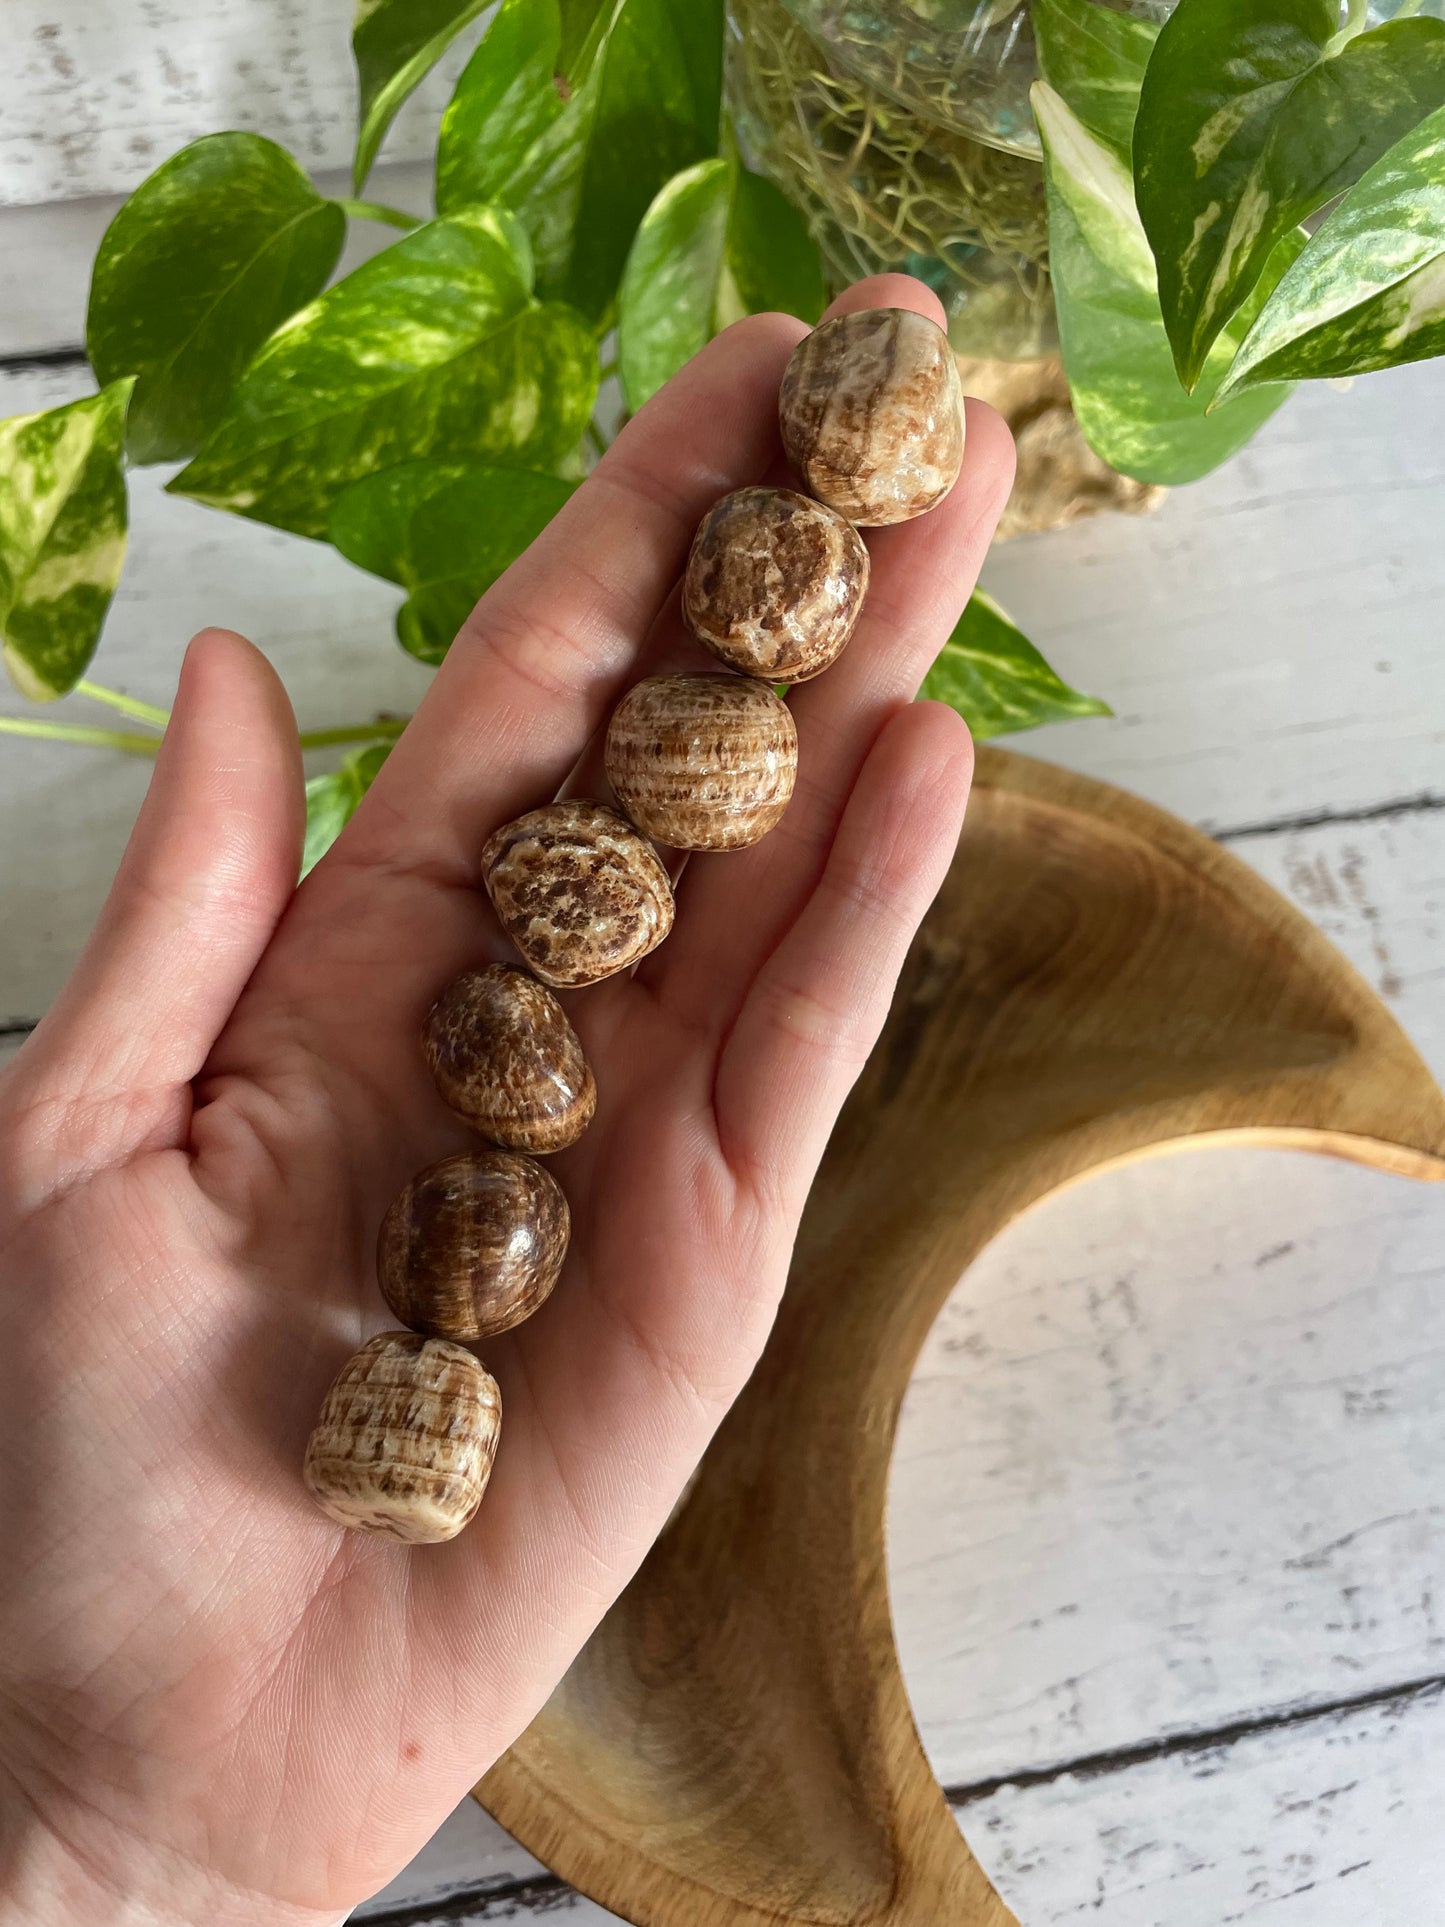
(1116, 354)
(396, 44)
(62, 536)
(716, 243)
(639, 100)
(331, 801)
(1095, 58)
(1369, 289)
(445, 532)
(998, 682)
(210, 254)
(1249, 120)
(432, 348)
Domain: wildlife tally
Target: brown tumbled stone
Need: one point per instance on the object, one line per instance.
(871, 411)
(703, 762)
(507, 1061)
(578, 891)
(774, 583)
(473, 1245)
(406, 1439)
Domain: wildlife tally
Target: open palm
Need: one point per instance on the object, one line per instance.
(217, 1706)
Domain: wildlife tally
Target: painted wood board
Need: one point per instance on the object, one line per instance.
(1328, 1822)
(49, 252)
(95, 93)
(1238, 703)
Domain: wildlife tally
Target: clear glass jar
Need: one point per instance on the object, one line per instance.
(903, 130)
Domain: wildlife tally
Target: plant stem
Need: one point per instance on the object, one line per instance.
(127, 705)
(598, 440)
(76, 733)
(609, 368)
(376, 211)
(386, 730)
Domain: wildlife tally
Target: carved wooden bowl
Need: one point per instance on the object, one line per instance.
(1096, 982)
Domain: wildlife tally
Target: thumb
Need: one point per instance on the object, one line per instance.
(210, 866)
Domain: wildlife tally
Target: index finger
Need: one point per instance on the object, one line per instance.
(549, 646)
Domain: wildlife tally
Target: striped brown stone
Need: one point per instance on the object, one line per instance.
(871, 412)
(702, 762)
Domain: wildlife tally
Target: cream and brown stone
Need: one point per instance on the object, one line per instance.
(473, 1245)
(703, 762)
(406, 1439)
(578, 890)
(507, 1062)
(774, 583)
(872, 418)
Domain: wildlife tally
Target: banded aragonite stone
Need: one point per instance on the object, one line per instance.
(507, 1062)
(872, 417)
(473, 1245)
(406, 1439)
(774, 583)
(579, 892)
(703, 762)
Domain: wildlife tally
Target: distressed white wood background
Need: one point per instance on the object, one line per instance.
(1167, 1509)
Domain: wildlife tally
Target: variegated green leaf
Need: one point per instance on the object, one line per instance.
(62, 536)
(1116, 354)
(331, 801)
(998, 682)
(717, 243)
(445, 532)
(1252, 118)
(581, 157)
(396, 44)
(1095, 58)
(210, 254)
(1369, 290)
(505, 101)
(432, 348)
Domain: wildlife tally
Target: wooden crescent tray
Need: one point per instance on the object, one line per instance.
(1097, 982)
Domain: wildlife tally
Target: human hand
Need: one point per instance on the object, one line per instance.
(219, 1707)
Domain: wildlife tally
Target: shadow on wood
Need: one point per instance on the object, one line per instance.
(1096, 982)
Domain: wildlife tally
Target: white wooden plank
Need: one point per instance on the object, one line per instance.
(95, 93)
(1270, 638)
(49, 252)
(1222, 721)
(1332, 1824)
(1171, 1457)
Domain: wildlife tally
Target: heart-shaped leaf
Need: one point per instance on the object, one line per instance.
(1250, 119)
(998, 682)
(432, 348)
(62, 536)
(445, 532)
(1116, 353)
(1096, 59)
(331, 801)
(1369, 290)
(580, 159)
(396, 44)
(717, 242)
(210, 254)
